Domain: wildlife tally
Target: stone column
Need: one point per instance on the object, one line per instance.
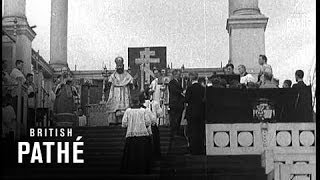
(15, 23)
(246, 27)
(58, 34)
(16, 8)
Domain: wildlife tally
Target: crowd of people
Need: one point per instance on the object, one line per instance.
(10, 126)
(186, 109)
(147, 109)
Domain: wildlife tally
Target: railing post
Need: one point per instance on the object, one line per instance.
(19, 117)
(25, 111)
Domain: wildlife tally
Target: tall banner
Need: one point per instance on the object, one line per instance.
(142, 61)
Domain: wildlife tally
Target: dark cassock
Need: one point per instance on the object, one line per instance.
(156, 111)
(195, 117)
(176, 105)
(64, 106)
(137, 153)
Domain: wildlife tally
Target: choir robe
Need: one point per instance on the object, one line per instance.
(195, 118)
(137, 153)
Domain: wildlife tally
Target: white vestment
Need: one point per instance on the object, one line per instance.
(137, 122)
(155, 87)
(156, 111)
(82, 120)
(16, 74)
(119, 96)
(247, 78)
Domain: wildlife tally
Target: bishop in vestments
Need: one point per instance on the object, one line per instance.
(119, 96)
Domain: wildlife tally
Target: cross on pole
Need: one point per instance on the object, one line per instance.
(144, 62)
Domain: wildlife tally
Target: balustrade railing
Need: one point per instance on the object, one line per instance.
(20, 99)
(285, 148)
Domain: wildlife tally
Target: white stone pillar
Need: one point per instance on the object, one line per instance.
(59, 34)
(15, 23)
(242, 7)
(16, 8)
(246, 27)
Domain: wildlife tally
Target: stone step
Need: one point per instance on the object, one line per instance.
(150, 177)
(110, 148)
(115, 142)
(225, 176)
(120, 135)
(103, 153)
(115, 176)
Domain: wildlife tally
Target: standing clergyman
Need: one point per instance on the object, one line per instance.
(155, 86)
(119, 96)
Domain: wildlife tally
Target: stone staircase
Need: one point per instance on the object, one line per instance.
(103, 147)
(179, 165)
(103, 152)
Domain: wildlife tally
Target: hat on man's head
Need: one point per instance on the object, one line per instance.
(118, 60)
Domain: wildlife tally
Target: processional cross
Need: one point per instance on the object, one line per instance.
(144, 62)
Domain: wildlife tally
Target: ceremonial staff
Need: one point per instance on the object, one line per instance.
(182, 71)
(104, 75)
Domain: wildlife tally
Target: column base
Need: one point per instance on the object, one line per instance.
(59, 67)
(246, 21)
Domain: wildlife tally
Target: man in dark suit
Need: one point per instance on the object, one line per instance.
(299, 78)
(176, 103)
(302, 104)
(195, 115)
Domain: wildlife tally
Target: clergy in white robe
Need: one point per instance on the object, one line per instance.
(157, 90)
(155, 86)
(245, 77)
(119, 95)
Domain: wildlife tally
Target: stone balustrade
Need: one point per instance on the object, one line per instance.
(293, 171)
(286, 149)
(255, 138)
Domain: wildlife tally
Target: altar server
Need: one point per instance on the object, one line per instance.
(137, 151)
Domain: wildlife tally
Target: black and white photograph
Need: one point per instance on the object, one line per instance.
(158, 89)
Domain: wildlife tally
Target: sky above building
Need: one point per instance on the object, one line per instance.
(194, 32)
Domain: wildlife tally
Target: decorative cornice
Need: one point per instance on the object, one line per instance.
(246, 21)
(21, 30)
(18, 25)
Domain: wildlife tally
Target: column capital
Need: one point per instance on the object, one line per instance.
(57, 67)
(18, 26)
